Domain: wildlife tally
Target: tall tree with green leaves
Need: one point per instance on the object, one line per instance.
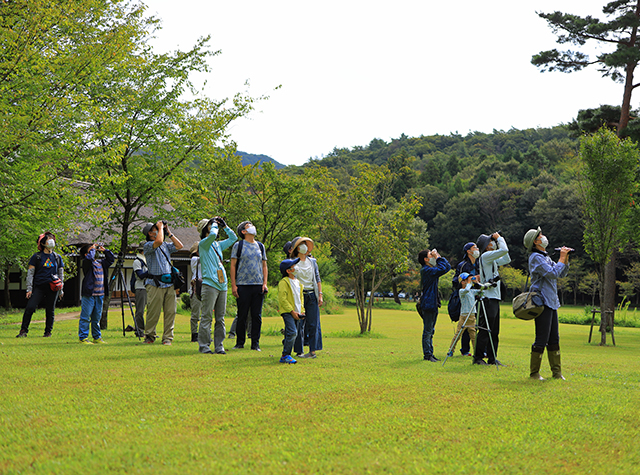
(617, 35)
(607, 187)
(369, 240)
(51, 53)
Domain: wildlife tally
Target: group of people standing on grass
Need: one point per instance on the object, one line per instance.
(477, 279)
(154, 288)
(299, 292)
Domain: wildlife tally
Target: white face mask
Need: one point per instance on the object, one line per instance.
(51, 244)
(475, 254)
(302, 248)
(544, 242)
(432, 262)
(251, 230)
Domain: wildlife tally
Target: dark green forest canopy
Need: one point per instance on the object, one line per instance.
(480, 183)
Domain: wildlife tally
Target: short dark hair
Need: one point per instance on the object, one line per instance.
(422, 256)
(84, 249)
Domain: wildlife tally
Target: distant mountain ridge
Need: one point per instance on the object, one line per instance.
(250, 159)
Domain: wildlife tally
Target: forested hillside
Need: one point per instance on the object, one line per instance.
(509, 181)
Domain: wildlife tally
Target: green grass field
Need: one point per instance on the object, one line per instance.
(365, 405)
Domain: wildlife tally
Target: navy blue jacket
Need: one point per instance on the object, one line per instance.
(429, 278)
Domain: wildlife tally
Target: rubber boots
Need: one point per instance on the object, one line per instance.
(554, 362)
(534, 367)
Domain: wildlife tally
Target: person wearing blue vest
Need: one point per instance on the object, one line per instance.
(214, 283)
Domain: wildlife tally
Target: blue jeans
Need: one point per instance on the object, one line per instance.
(291, 327)
(429, 318)
(310, 325)
(90, 313)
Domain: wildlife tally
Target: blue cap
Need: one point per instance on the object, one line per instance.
(468, 246)
(464, 276)
(286, 264)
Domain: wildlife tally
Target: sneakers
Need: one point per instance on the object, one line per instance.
(238, 347)
(256, 348)
(148, 341)
(431, 358)
(86, 341)
(466, 354)
(288, 359)
(480, 362)
(46, 334)
(450, 354)
(221, 352)
(308, 355)
(22, 334)
(99, 341)
(495, 362)
(167, 343)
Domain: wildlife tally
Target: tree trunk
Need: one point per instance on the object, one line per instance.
(608, 297)
(396, 299)
(7, 293)
(124, 242)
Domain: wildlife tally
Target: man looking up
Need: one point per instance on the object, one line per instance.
(160, 292)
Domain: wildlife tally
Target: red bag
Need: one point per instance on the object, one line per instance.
(55, 284)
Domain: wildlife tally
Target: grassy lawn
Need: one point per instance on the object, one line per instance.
(365, 405)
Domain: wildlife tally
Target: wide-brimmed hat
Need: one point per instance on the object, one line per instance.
(299, 240)
(194, 248)
(286, 264)
(482, 242)
(529, 237)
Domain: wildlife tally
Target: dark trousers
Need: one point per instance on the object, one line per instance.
(141, 304)
(250, 298)
(547, 333)
(39, 293)
(465, 342)
(309, 325)
(492, 316)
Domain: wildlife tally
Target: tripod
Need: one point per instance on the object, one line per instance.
(123, 289)
(479, 298)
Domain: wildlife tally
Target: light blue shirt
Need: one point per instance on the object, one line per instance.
(157, 262)
(488, 265)
(210, 252)
(468, 300)
(544, 278)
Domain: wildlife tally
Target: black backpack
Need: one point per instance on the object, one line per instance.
(454, 305)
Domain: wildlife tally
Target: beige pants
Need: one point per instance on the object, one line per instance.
(470, 327)
(160, 299)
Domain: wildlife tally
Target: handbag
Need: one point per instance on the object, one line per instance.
(523, 306)
(55, 284)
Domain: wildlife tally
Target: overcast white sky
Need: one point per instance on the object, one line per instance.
(353, 70)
